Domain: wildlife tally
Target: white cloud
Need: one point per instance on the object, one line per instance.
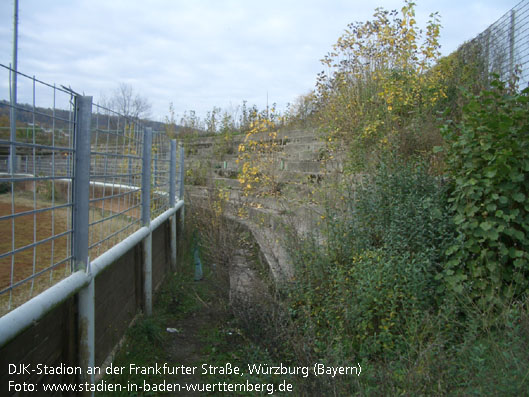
(203, 53)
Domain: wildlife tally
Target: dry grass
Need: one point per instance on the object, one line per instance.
(27, 229)
(118, 228)
(35, 227)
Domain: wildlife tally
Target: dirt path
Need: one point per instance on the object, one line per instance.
(205, 330)
(187, 344)
(193, 324)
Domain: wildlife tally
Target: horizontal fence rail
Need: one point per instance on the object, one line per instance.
(37, 175)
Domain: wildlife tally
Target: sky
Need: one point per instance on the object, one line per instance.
(198, 54)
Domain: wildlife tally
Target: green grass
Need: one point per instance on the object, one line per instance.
(180, 300)
(145, 339)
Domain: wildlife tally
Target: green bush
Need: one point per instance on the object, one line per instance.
(376, 271)
(487, 156)
(47, 190)
(223, 145)
(368, 290)
(197, 175)
(401, 208)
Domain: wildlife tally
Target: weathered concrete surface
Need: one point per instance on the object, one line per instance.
(299, 169)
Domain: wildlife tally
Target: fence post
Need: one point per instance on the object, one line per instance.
(146, 220)
(13, 94)
(511, 46)
(129, 171)
(155, 171)
(172, 202)
(81, 196)
(181, 172)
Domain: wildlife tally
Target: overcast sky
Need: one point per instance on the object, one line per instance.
(203, 53)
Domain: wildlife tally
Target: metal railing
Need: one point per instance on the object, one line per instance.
(115, 179)
(35, 218)
(52, 184)
(503, 48)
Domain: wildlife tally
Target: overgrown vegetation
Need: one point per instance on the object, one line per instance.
(372, 293)
(420, 266)
(380, 91)
(192, 323)
(488, 161)
(258, 156)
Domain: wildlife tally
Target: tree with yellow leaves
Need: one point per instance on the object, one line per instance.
(380, 85)
(258, 156)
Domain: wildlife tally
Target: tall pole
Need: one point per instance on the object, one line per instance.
(146, 221)
(80, 221)
(267, 114)
(511, 46)
(172, 202)
(13, 113)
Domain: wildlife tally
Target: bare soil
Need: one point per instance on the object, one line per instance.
(28, 229)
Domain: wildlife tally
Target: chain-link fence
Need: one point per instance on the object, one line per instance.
(503, 48)
(38, 203)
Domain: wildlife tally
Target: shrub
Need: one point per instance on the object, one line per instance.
(223, 145)
(376, 271)
(380, 87)
(487, 156)
(47, 190)
(258, 156)
(401, 208)
(197, 174)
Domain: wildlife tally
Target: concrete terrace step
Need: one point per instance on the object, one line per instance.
(302, 166)
(300, 155)
(231, 183)
(285, 138)
(281, 204)
(287, 147)
(312, 166)
(230, 161)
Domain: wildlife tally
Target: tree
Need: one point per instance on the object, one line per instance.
(212, 119)
(380, 92)
(303, 109)
(170, 123)
(129, 103)
(190, 123)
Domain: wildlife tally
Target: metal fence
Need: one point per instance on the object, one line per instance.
(503, 48)
(131, 179)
